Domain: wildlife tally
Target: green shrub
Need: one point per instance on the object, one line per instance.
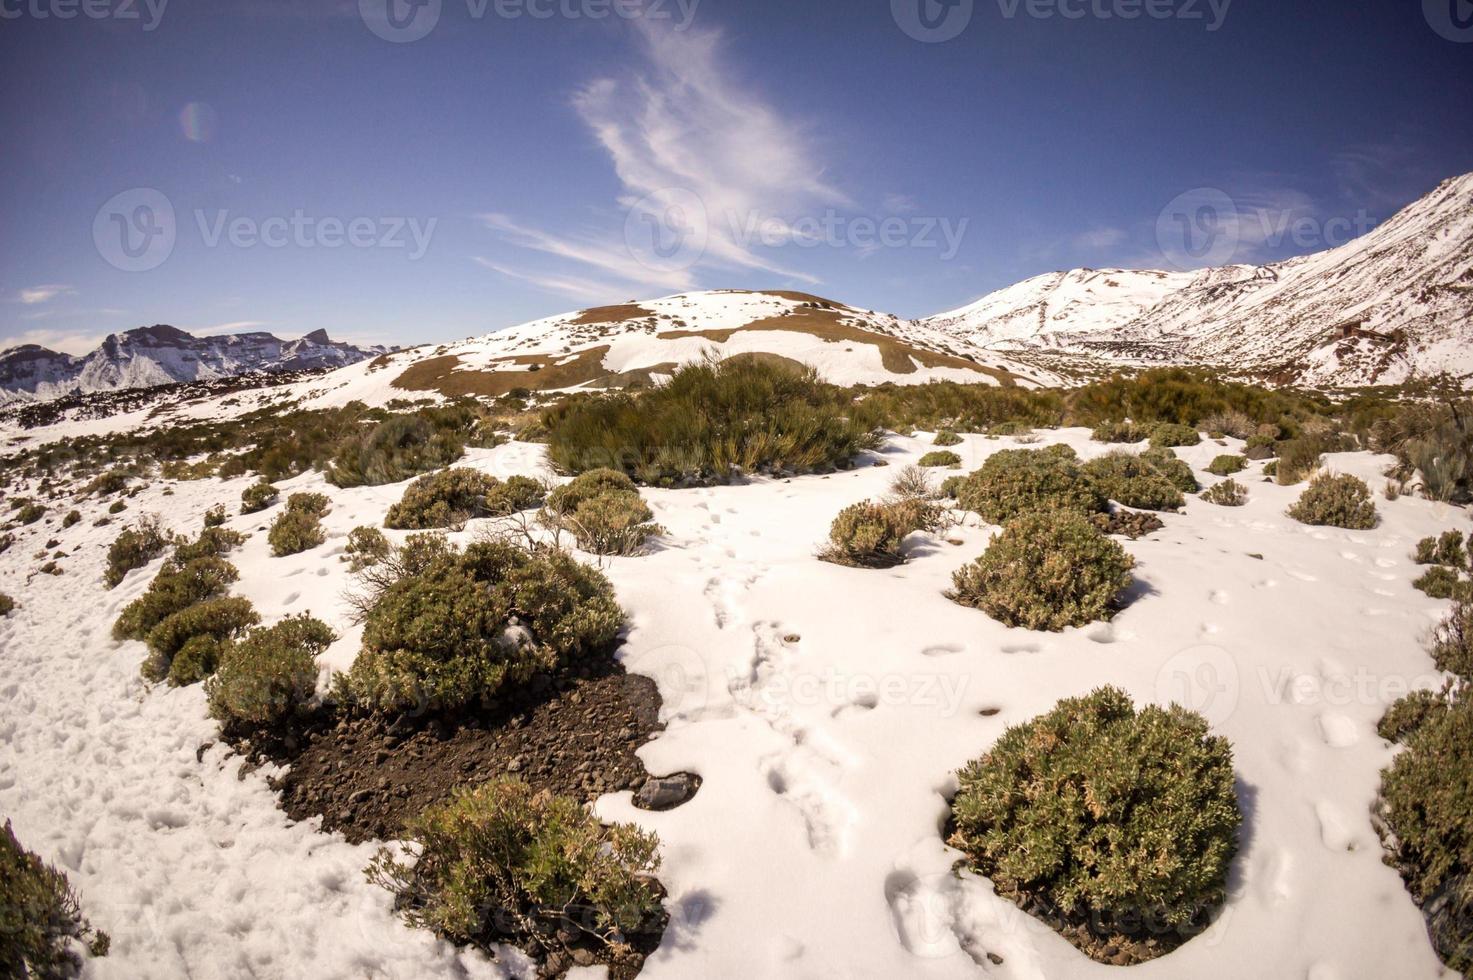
(1261, 447)
(454, 628)
(566, 498)
(870, 535)
(213, 540)
(1047, 570)
(1174, 469)
(6, 540)
(1442, 582)
(107, 484)
(133, 548)
(185, 647)
(1133, 481)
(117, 507)
(1120, 432)
(366, 546)
(940, 458)
(298, 527)
(175, 587)
(951, 486)
(30, 512)
(1300, 457)
(513, 494)
(215, 516)
(40, 918)
(1425, 816)
(1013, 481)
(1336, 501)
(1227, 465)
(1229, 423)
(710, 423)
(1452, 641)
(613, 523)
(1105, 815)
(1228, 493)
(946, 437)
(1408, 714)
(1168, 434)
(7, 605)
(399, 447)
(1445, 549)
(501, 862)
(448, 498)
(269, 675)
(257, 497)
(72, 519)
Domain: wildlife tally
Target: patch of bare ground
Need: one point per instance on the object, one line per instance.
(611, 314)
(535, 372)
(574, 733)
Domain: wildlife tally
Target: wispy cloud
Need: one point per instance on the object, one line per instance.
(1099, 238)
(43, 294)
(700, 155)
(66, 341)
(238, 326)
(587, 289)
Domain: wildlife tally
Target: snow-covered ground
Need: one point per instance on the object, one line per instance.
(826, 709)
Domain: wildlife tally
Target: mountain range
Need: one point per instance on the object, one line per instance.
(160, 355)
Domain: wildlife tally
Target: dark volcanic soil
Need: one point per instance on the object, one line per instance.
(574, 733)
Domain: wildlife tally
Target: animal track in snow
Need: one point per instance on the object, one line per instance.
(947, 650)
(1335, 830)
(1338, 731)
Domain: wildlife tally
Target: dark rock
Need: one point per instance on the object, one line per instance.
(667, 792)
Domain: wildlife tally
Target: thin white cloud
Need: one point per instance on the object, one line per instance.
(66, 341)
(688, 138)
(1099, 238)
(43, 294)
(238, 326)
(583, 289)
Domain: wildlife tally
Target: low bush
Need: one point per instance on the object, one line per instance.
(400, 447)
(213, 540)
(366, 546)
(870, 535)
(269, 675)
(940, 458)
(946, 437)
(445, 629)
(133, 548)
(1014, 481)
(298, 528)
(1046, 570)
(185, 646)
(1336, 500)
(1099, 815)
(566, 498)
(73, 518)
(914, 483)
(6, 540)
(1229, 423)
(1227, 465)
(1228, 493)
(175, 587)
(7, 605)
(1120, 432)
(1444, 549)
(1261, 447)
(513, 494)
(1173, 468)
(604, 512)
(505, 863)
(448, 498)
(1169, 434)
(1407, 714)
(1442, 582)
(41, 919)
(1133, 481)
(951, 486)
(1452, 641)
(30, 512)
(710, 423)
(215, 516)
(117, 507)
(1298, 458)
(257, 497)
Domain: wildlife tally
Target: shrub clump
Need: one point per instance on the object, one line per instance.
(604, 512)
(1165, 435)
(1228, 493)
(1014, 481)
(1336, 500)
(213, 540)
(1444, 549)
(215, 516)
(513, 494)
(40, 917)
(269, 675)
(1047, 570)
(1118, 432)
(7, 605)
(73, 518)
(939, 458)
(298, 528)
(504, 863)
(397, 448)
(1452, 641)
(30, 512)
(1100, 815)
(185, 647)
(366, 546)
(174, 588)
(133, 548)
(257, 497)
(870, 535)
(448, 498)
(446, 629)
(1133, 480)
(1442, 582)
(1227, 465)
(946, 437)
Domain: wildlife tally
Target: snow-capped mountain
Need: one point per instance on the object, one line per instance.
(1394, 304)
(160, 355)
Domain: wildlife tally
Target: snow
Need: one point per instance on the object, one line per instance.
(826, 709)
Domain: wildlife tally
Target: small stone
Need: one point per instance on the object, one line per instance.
(994, 959)
(666, 792)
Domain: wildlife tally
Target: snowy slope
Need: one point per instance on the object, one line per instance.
(1394, 304)
(826, 709)
(161, 355)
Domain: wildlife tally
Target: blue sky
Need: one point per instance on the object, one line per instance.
(526, 157)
